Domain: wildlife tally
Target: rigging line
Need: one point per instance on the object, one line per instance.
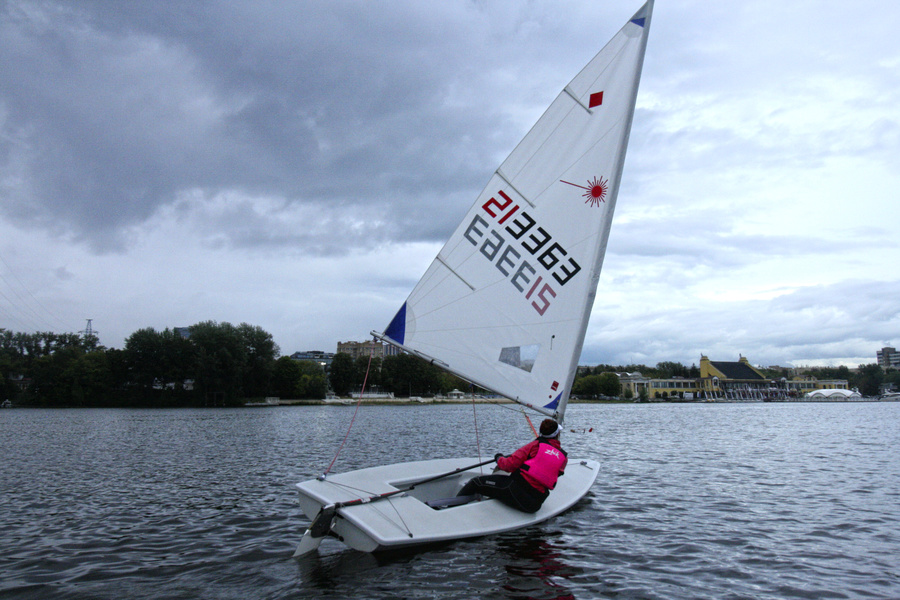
(475, 418)
(399, 516)
(350, 488)
(530, 424)
(514, 408)
(28, 291)
(358, 403)
(12, 317)
(405, 528)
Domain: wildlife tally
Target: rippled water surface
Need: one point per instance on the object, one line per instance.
(694, 501)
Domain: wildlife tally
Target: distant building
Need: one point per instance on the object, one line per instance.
(833, 395)
(888, 358)
(733, 381)
(726, 381)
(373, 348)
(20, 381)
(636, 382)
(323, 358)
(800, 386)
(675, 387)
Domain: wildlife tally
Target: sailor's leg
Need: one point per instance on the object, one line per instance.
(524, 497)
(511, 490)
(486, 485)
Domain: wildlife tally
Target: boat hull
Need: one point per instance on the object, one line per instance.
(405, 519)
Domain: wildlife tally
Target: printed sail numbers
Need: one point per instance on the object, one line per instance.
(512, 256)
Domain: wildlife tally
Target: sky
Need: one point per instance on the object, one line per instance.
(297, 165)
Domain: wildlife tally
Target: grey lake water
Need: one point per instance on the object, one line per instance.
(693, 501)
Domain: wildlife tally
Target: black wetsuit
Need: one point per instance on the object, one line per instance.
(511, 490)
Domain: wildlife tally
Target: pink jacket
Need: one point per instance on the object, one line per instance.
(541, 470)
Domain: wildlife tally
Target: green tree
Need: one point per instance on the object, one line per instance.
(587, 386)
(892, 376)
(221, 362)
(145, 359)
(8, 370)
(610, 385)
(286, 375)
(450, 382)
(868, 379)
(54, 378)
(178, 366)
(643, 395)
(667, 370)
(404, 374)
(89, 379)
(158, 365)
(342, 373)
(593, 386)
(312, 384)
(260, 351)
(368, 371)
(298, 379)
(118, 376)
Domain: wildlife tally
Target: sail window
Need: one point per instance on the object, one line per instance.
(521, 357)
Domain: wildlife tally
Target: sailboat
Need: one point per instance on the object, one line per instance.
(504, 305)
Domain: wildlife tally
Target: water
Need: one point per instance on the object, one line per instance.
(694, 501)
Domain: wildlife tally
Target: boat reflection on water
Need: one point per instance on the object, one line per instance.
(521, 565)
(536, 569)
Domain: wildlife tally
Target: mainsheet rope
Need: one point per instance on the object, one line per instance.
(530, 424)
(358, 403)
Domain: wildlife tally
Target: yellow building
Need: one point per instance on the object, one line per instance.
(676, 387)
(722, 380)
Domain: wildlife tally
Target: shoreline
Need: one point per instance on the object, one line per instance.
(384, 401)
(374, 401)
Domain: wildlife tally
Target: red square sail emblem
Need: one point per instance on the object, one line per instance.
(596, 100)
(554, 386)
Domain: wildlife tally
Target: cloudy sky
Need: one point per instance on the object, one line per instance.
(296, 166)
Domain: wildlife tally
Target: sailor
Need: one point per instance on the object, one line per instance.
(533, 470)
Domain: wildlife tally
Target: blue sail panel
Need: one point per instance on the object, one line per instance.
(553, 405)
(397, 329)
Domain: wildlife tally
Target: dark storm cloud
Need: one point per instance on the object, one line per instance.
(274, 160)
(114, 109)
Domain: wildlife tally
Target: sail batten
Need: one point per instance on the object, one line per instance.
(507, 181)
(449, 268)
(524, 263)
(577, 100)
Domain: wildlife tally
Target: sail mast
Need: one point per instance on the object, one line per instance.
(645, 14)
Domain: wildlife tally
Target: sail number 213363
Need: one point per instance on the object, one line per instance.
(509, 249)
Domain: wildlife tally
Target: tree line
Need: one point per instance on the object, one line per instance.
(220, 364)
(212, 364)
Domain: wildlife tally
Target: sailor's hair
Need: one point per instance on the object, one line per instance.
(549, 428)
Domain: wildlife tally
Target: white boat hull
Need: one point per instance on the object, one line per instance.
(405, 519)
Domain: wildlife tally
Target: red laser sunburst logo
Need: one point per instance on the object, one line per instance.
(595, 190)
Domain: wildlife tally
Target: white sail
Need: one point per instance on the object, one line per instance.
(506, 302)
